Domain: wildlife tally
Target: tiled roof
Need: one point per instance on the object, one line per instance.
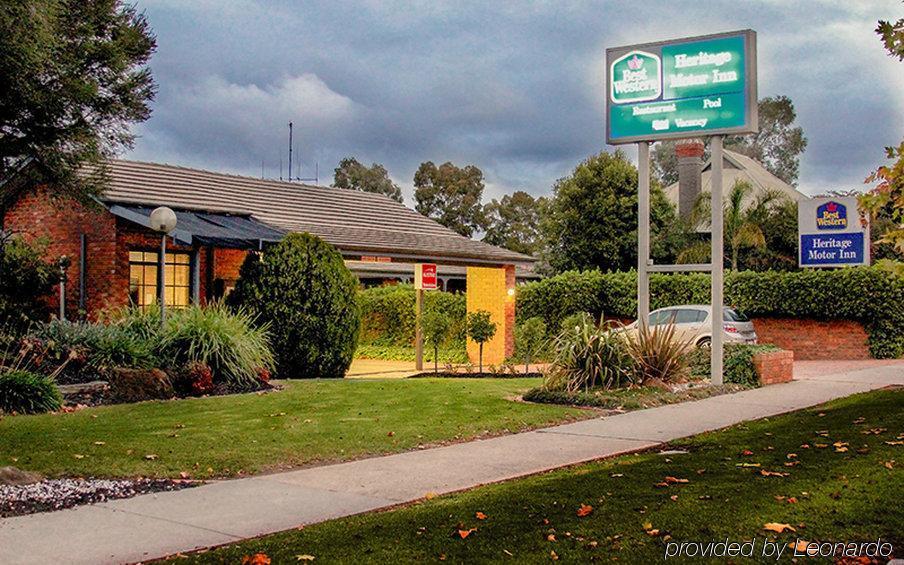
(353, 221)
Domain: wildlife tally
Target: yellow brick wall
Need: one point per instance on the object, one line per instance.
(488, 289)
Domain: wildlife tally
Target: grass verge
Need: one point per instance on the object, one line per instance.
(308, 422)
(833, 474)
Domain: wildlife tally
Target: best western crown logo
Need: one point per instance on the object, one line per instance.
(635, 76)
(831, 216)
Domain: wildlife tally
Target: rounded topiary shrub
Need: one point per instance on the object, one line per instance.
(24, 392)
(302, 289)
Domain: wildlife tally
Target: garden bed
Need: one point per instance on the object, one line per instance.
(631, 398)
(475, 375)
(57, 494)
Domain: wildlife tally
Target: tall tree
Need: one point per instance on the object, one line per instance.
(356, 176)
(778, 145)
(73, 79)
(514, 222)
(591, 220)
(886, 199)
(450, 195)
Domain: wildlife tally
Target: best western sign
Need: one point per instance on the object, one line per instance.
(682, 88)
(832, 233)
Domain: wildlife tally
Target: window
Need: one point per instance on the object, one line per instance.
(689, 316)
(662, 317)
(143, 278)
(732, 315)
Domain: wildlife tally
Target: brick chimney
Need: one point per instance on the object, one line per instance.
(690, 170)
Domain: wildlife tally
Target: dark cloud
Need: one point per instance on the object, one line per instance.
(513, 88)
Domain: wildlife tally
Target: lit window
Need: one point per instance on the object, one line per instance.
(143, 278)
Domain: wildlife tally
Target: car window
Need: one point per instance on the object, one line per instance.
(688, 316)
(732, 315)
(661, 317)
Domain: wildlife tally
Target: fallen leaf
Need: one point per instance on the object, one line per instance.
(821, 414)
(653, 532)
(647, 526)
(820, 445)
(585, 510)
(766, 473)
(304, 557)
(78, 456)
(480, 516)
(674, 497)
(100, 443)
(747, 452)
(840, 449)
(894, 443)
(184, 475)
(701, 471)
(390, 434)
(151, 457)
(874, 431)
(675, 480)
(791, 463)
(889, 464)
(779, 497)
(551, 537)
(614, 475)
(256, 559)
(860, 420)
(805, 446)
(800, 547)
(777, 528)
(661, 485)
(430, 495)
(792, 500)
(553, 556)
(466, 533)
(791, 455)
(747, 465)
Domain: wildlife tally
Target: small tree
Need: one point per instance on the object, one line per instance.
(481, 330)
(436, 329)
(529, 338)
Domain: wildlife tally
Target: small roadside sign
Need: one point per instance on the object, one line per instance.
(425, 276)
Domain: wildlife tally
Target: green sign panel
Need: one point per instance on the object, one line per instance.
(682, 88)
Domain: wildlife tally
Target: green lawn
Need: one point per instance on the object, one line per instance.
(851, 494)
(309, 421)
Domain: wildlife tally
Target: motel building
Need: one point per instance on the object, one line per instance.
(115, 258)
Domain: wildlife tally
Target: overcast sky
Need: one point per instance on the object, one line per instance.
(514, 88)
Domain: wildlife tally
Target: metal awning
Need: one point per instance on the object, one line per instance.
(235, 231)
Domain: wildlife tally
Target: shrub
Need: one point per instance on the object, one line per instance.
(388, 315)
(224, 340)
(406, 353)
(24, 392)
(481, 330)
(737, 366)
(303, 291)
(587, 355)
(658, 354)
(26, 281)
(530, 338)
(871, 295)
(194, 379)
(91, 349)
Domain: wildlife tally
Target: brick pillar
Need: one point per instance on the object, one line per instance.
(493, 289)
(690, 172)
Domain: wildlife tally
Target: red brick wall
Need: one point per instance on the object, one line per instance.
(227, 262)
(61, 222)
(815, 339)
(774, 367)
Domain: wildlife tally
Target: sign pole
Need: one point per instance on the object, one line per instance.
(643, 232)
(419, 330)
(717, 262)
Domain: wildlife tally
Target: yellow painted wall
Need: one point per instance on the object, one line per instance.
(488, 289)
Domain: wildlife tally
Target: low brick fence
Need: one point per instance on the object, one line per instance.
(774, 367)
(815, 339)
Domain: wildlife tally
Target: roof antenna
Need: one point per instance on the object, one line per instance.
(290, 151)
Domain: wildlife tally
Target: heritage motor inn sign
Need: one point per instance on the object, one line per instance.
(683, 88)
(832, 233)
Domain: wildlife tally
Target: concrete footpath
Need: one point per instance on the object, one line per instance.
(155, 525)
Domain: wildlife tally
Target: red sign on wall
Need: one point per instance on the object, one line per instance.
(425, 276)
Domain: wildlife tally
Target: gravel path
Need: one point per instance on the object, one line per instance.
(56, 494)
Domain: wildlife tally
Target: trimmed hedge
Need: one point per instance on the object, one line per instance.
(872, 296)
(388, 317)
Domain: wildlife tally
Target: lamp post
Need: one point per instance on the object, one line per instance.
(63, 263)
(163, 220)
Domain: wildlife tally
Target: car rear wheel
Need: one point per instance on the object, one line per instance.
(705, 342)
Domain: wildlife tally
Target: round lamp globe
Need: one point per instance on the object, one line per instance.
(163, 219)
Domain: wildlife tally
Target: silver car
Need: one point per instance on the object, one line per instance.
(692, 324)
